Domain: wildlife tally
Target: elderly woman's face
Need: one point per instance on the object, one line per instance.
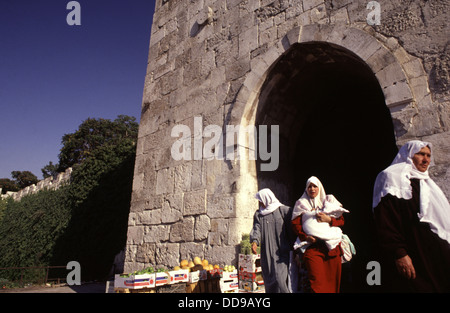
(312, 190)
(422, 159)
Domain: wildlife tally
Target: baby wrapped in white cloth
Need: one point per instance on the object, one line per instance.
(309, 207)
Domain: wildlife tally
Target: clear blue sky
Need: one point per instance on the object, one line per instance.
(54, 76)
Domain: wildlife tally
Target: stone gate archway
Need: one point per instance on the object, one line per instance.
(334, 124)
(332, 119)
(337, 95)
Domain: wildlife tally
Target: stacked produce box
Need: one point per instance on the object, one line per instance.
(229, 282)
(197, 276)
(148, 279)
(250, 273)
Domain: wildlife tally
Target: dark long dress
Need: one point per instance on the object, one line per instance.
(273, 233)
(401, 233)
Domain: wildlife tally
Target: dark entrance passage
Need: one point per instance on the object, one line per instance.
(334, 124)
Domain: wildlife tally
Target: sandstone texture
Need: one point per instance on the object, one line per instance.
(211, 58)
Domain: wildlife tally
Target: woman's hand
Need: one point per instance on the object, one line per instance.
(254, 247)
(323, 218)
(311, 239)
(405, 267)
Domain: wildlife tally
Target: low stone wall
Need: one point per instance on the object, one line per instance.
(48, 183)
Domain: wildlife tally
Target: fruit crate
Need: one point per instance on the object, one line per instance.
(229, 282)
(134, 281)
(162, 278)
(179, 276)
(251, 286)
(250, 263)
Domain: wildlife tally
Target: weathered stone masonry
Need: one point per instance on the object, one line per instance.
(212, 58)
(49, 183)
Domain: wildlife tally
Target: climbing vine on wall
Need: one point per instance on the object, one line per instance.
(84, 221)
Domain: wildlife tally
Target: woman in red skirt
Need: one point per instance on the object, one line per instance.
(316, 220)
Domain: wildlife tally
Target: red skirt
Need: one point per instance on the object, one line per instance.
(323, 268)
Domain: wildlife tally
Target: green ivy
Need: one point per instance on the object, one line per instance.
(84, 221)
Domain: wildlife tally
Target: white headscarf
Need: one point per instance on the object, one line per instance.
(322, 200)
(325, 203)
(271, 202)
(395, 180)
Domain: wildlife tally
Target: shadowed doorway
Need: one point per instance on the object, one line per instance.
(334, 124)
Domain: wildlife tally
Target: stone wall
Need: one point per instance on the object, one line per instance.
(47, 183)
(210, 58)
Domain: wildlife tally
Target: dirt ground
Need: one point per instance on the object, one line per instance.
(96, 287)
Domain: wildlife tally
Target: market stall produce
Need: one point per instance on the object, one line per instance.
(197, 276)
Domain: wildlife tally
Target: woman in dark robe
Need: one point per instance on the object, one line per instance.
(272, 231)
(412, 219)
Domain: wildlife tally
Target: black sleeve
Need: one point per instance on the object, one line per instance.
(389, 226)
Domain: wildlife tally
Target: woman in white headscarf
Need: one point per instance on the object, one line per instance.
(412, 218)
(273, 233)
(316, 220)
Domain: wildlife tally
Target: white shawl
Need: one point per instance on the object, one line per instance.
(310, 207)
(395, 180)
(267, 197)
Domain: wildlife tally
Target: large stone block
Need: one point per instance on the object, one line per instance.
(135, 235)
(222, 254)
(221, 206)
(391, 74)
(165, 181)
(219, 232)
(183, 177)
(150, 217)
(397, 94)
(155, 233)
(146, 253)
(167, 254)
(189, 250)
(194, 202)
(182, 231)
(172, 208)
(202, 227)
